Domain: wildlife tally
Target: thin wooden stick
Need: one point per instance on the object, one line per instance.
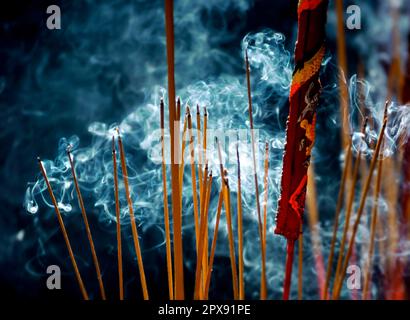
(369, 265)
(213, 247)
(349, 210)
(198, 134)
(132, 218)
(86, 224)
(193, 178)
(166, 211)
(205, 239)
(263, 290)
(118, 217)
(206, 249)
(240, 231)
(343, 70)
(182, 164)
(340, 198)
(255, 175)
(202, 226)
(300, 264)
(64, 231)
(176, 208)
(336, 293)
(227, 204)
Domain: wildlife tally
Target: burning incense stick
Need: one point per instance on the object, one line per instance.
(206, 161)
(176, 208)
(340, 198)
(373, 223)
(240, 230)
(63, 230)
(213, 246)
(193, 177)
(117, 215)
(255, 175)
(86, 224)
(349, 207)
(300, 131)
(132, 218)
(263, 291)
(182, 165)
(198, 136)
(227, 204)
(339, 283)
(166, 212)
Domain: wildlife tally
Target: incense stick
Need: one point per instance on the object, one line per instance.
(340, 198)
(263, 290)
(227, 204)
(205, 239)
(369, 265)
(176, 208)
(166, 212)
(182, 164)
(339, 283)
(206, 161)
(193, 177)
(343, 71)
(300, 264)
(213, 246)
(349, 209)
(240, 230)
(64, 231)
(198, 133)
(202, 226)
(86, 224)
(132, 218)
(117, 215)
(255, 176)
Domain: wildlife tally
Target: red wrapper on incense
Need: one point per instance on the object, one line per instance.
(300, 132)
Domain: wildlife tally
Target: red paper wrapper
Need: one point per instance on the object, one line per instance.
(300, 132)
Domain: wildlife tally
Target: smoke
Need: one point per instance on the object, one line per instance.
(110, 62)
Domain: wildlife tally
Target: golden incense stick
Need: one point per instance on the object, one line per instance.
(117, 215)
(174, 128)
(64, 231)
(213, 246)
(132, 218)
(86, 224)
(240, 231)
(166, 212)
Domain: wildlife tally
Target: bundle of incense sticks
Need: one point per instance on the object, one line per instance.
(300, 136)
(300, 131)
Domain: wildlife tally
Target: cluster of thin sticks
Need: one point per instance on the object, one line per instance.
(201, 201)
